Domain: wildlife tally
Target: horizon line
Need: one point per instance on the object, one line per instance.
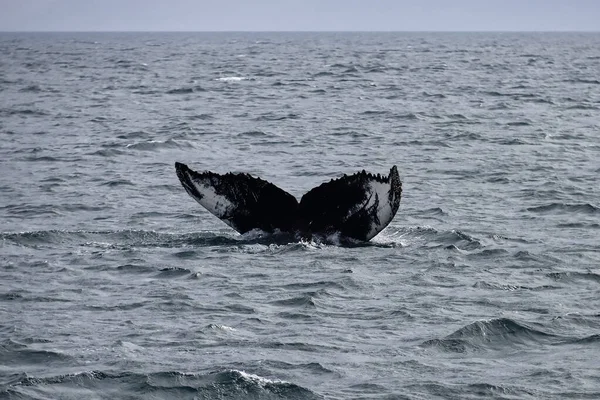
(299, 31)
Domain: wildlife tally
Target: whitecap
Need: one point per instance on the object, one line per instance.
(224, 328)
(231, 78)
(257, 379)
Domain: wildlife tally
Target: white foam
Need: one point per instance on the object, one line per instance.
(257, 379)
(222, 327)
(231, 78)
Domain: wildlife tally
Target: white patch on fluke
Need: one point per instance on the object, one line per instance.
(218, 205)
(376, 191)
(384, 208)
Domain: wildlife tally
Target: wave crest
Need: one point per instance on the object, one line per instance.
(230, 384)
(493, 334)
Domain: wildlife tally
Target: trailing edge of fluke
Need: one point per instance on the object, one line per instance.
(356, 206)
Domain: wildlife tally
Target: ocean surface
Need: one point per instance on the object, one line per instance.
(114, 283)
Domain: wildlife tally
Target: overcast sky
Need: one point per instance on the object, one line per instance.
(299, 15)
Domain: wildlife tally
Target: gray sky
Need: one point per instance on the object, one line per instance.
(303, 15)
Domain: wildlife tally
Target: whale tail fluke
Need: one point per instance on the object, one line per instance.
(357, 206)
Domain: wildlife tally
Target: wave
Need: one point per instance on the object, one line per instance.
(584, 225)
(18, 211)
(118, 307)
(135, 269)
(135, 134)
(348, 133)
(493, 334)
(427, 236)
(153, 145)
(518, 123)
(434, 212)
(43, 159)
(23, 112)
(230, 384)
(570, 276)
(201, 117)
(583, 80)
(275, 117)
(459, 239)
(322, 73)
(591, 339)
(318, 285)
(304, 301)
(18, 297)
(313, 367)
(19, 354)
(394, 116)
(254, 134)
(480, 390)
(581, 208)
(186, 90)
(31, 89)
(127, 239)
(510, 288)
(173, 272)
(255, 241)
(582, 107)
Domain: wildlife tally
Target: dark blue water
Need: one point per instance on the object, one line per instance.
(114, 283)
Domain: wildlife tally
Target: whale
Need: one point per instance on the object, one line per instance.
(356, 206)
